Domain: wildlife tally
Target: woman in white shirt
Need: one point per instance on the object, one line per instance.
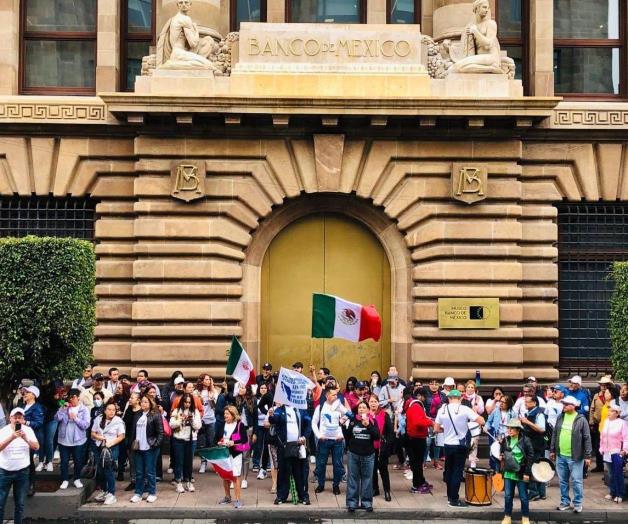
(185, 423)
(107, 433)
(208, 393)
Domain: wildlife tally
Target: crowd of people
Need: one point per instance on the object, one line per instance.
(114, 426)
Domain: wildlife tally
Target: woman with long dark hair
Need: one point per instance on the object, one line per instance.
(207, 392)
(246, 404)
(149, 434)
(107, 433)
(382, 446)
(185, 422)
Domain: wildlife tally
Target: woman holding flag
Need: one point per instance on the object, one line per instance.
(235, 439)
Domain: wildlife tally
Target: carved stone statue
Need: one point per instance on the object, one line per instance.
(480, 47)
(184, 45)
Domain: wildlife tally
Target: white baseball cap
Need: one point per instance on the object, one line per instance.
(532, 379)
(449, 381)
(576, 379)
(33, 389)
(571, 400)
(16, 411)
(179, 380)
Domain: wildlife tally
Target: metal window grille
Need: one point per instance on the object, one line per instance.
(47, 216)
(591, 236)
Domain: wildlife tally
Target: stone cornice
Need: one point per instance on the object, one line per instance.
(53, 110)
(590, 115)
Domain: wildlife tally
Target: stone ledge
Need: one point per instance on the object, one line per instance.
(54, 110)
(589, 115)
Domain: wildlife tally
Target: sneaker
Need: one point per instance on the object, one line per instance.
(170, 470)
(305, 502)
(225, 500)
(609, 497)
(49, 467)
(336, 490)
(535, 497)
(130, 487)
(179, 488)
(262, 474)
(255, 469)
(203, 467)
(344, 478)
(237, 504)
(319, 489)
(40, 467)
(56, 456)
(64, 485)
(563, 507)
(457, 504)
(151, 498)
(278, 502)
(414, 490)
(135, 499)
(78, 484)
(619, 500)
(190, 487)
(110, 499)
(577, 509)
(408, 475)
(244, 484)
(312, 459)
(101, 496)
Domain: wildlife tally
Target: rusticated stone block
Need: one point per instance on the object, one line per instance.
(180, 351)
(534, 231)
(106, 228)
(468, 271)
(112, 351)
(463, 374)
(175, 269)
(113, 310)
(172, 310)
(487, 353)
(540, 312)
(114, 269)
(190, 228)
(542, 272)
(541, 353)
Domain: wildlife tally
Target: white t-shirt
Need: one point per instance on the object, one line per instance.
(228, 430)
(16, 455)
(140, 432)
(461, 416)
(114, 428)
(326, 420)
(292, 425)
(520, 409)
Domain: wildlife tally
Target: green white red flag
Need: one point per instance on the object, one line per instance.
(239, 365)
(334, 317)
(221, 460)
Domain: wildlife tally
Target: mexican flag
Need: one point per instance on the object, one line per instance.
(221, 460)
(334, 317)
(239, 365)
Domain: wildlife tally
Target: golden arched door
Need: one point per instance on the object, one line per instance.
(327, 254)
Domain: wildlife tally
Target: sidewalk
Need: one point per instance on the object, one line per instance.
(258, 503)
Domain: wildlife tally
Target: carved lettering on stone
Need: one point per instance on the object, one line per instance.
(188, 181)
(469, 182)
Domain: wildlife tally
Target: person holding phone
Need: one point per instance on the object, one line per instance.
(362, 435)
(74, 421)
(17, 441)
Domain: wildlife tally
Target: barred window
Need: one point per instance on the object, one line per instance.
(47, 216)
(591, 236)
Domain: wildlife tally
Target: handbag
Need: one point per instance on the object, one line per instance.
(167, 428)
(464, 441)
(291, 450)
(88, 471)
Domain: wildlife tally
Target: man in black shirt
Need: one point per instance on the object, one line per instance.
(266, 377)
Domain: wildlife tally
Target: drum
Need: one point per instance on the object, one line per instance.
(478, 486)
(474, 429)
(496, 450)
(543, 470)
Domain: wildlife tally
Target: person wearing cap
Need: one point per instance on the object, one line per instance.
(595, 419)
(448, 384)
(574, 384)
(571, 449)
(74, 421)
(517, 455)
(360, 393)
(434, 399)
(98, 384)
(528, 390)
(534, 424)
(452, 420)
(614, 447)
(17, 443)
(418, 425)
(554, 406)
(391, 400)
(34, 418)
(266, 377)
(86, 380)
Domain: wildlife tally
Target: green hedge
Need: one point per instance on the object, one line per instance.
(618, 324)
(47, 308)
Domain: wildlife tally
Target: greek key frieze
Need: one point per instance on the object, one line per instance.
(52, 111)
(590, 118)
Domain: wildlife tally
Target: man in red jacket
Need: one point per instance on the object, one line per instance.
(417, 424)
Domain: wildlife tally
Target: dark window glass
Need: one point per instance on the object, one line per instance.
(586, 70)
(514, 52)
(59, 63)
(47, 216)
(60, 15)
(248, 11)
(509, 18)
(586, 19)
(140, 16)
(591, 236)
(331, 11)
(135, 51)
(402, 11)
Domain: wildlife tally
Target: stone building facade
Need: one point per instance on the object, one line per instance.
(177, 279)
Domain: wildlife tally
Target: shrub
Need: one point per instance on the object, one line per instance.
(618, 325)
(47, 308)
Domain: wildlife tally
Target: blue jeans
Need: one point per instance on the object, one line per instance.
(336, 447)
(570, 469)
(455, 457)
(360, 480)
(47, 449)
(106, 477)
(145, 466)
(509, 495)
(19, 480)
(184, 455)
(78, 456)
(260, 455)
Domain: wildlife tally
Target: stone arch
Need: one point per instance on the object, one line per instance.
(376, 221)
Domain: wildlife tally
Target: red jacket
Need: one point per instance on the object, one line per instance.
(417, 422)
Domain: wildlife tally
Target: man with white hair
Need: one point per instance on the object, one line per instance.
(17, 441)
(571, 449)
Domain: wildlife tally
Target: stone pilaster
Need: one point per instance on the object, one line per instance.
(108, 46)
(376, 12)
(9, 46)
(541, 48)
(276, 11)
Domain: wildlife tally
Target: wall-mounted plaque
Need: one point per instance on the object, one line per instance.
(468, 313)
(468, 182)
(188, 180)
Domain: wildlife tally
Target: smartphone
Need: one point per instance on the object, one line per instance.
(18, 426)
